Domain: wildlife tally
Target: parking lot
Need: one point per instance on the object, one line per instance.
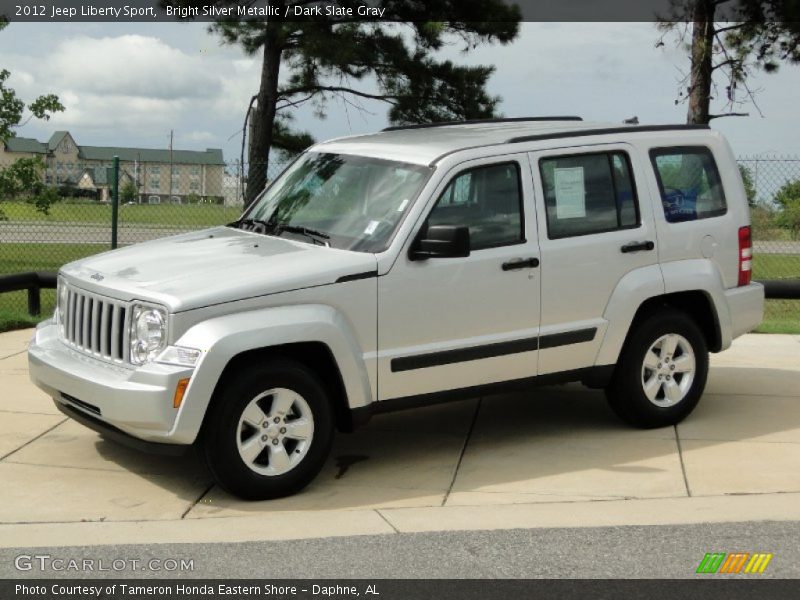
(549, 457)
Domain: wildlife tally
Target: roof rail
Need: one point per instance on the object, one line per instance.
(602, 131)
(479, 121)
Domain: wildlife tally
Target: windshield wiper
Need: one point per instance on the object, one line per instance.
(313, 234)
(250, 223)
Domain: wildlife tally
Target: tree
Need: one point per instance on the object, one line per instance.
(16, 178)
(788, 193)
(128, 192)
(12, 109)
(730, 39)
(789, 217)
(23, 178)
(749, 185)
(392, 62)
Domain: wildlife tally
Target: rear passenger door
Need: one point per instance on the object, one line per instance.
(595, 226)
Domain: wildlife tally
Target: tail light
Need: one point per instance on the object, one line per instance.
(745, 256)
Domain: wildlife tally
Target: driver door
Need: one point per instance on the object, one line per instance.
(447, 323)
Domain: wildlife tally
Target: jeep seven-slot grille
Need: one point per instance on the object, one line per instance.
(96, 325)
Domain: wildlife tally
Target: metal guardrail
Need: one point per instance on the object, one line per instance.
(783, 289)
(33, 282)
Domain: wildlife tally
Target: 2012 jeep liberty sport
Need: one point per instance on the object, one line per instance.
(417, 264)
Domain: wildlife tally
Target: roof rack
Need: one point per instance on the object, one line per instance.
(602, 131)
(479, 121)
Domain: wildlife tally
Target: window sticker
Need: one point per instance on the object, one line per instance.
(403, 205)
(373, 225)
(570, 193)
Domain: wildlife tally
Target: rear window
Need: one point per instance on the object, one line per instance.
(689, 182)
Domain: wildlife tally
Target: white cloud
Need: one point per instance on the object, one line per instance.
(131, 65)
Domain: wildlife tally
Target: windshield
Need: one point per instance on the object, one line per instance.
(349, 202)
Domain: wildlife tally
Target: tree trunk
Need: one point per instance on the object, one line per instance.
(263, 117)
(702, 66)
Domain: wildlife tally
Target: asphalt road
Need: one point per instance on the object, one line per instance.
(602, 552)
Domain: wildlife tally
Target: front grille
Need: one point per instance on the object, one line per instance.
(96, 325)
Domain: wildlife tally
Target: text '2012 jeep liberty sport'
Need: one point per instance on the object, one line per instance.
(410, 266)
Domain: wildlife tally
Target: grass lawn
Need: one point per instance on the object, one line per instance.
(17, 258)
(158, 215)
(776, 266)
(781, 316)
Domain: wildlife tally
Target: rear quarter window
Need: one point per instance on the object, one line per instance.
(689, 182)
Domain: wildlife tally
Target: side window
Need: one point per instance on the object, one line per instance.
(488, 200)
(588, 193)
(689, 183)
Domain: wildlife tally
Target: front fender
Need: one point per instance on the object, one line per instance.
(223, 338)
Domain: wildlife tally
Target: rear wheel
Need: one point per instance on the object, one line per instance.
(269, 431)
(662, 371)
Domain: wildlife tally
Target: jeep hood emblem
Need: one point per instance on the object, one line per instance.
(97, 277)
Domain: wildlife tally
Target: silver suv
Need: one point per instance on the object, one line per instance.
(415, 265)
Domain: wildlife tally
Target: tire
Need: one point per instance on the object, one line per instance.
(636, 394)
(269, 430)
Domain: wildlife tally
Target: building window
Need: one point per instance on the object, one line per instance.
(195, 171)
(155, 170)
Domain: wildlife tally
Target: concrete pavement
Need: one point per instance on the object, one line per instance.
(550, 457)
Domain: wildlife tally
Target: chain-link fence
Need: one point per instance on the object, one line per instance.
(158, 199)
(773, 189)
(71, 216)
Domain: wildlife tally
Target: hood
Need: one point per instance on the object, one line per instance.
(213, 266)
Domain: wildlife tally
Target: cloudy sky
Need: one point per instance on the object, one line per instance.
(129, 84)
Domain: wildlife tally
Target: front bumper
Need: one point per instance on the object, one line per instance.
(137, 402)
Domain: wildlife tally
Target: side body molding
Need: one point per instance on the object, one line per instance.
(222, 338)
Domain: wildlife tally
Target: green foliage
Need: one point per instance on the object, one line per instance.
(12, 108)
(789, 193)
(789, 217)
(749, 185)
(23, 178)
(128, 192)
(193, 199)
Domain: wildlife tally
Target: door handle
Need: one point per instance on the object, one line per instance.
(521, 263)
(637, 247)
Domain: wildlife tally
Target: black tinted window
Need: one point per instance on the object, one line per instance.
(488, 200)
(689, 183)
(588, 193)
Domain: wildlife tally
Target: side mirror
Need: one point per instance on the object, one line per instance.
(441, 241)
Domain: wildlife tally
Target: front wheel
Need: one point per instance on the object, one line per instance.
(269, 430)
(662, 371)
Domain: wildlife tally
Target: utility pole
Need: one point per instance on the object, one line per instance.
(171, 133)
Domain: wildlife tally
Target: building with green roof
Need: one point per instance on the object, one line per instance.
(159, 175)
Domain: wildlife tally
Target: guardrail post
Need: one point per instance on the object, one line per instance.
(34, 301)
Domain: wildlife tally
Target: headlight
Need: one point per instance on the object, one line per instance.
(61, 306)
(148, 333)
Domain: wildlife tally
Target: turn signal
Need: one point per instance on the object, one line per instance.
(180, 390)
